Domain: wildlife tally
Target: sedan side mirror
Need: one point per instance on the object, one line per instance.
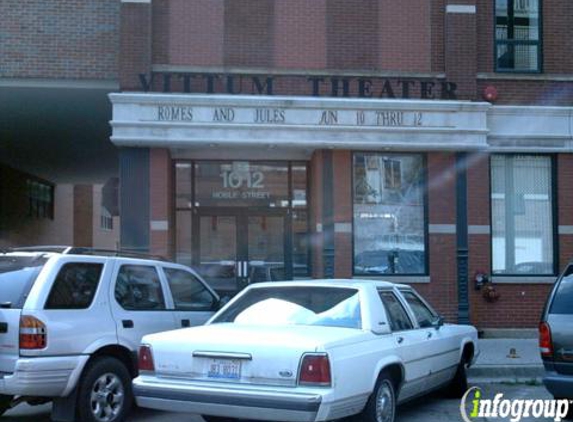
(438, 322)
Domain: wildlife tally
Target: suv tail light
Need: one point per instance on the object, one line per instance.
(33, 333)
(315, 370)
(545, 343)
(145, 358)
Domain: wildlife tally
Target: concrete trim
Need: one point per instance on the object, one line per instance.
(442, 229)
(136, 1)
(565, 230)
(479, 229)
(525, 77)
(524, 279)
(461, 8)
(104, 84)
(400, 279)
(254, 71)
(342, 227)
(159, 225)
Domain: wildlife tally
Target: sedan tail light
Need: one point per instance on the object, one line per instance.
(315, 370)
(545, 343)
(33, 333)
(145, 358)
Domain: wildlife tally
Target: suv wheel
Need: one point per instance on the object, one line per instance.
(105, 391)
(5, 403)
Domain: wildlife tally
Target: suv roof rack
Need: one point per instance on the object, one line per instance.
(76, 250)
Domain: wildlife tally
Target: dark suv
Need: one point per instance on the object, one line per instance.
(556, 337)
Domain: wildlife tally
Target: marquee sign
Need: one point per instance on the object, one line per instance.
(316, 86)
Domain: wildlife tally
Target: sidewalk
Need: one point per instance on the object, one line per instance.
(497, 363)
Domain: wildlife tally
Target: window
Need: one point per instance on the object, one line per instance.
(106, 219)
(40, 199)
(522, 215)
(17, 277)
(318, 306)
(517, 35)
(563, 299)
(424, 315)
(138, 288)
(75, 286)
(189, 294)
(389, 214)
(399, 320)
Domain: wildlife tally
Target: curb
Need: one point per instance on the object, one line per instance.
(507, 372)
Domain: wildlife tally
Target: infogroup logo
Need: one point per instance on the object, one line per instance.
(512, 409)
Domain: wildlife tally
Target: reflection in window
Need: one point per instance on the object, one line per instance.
(322, 306)
(517, 35)
(389, 217)
(522, 214)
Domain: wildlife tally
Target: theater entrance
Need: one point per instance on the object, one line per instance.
(243, 221)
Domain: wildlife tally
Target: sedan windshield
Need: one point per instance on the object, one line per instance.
(301, 305)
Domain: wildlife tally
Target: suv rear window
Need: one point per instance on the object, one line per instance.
(75, 286)
(17, 276)
(563, 299)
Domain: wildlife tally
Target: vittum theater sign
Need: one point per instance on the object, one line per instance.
(317, 86)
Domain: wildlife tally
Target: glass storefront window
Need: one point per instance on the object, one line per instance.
(241, 183)
(183, 185)
(300, 244)
(522, 215)
(389, 214)
(299, 185)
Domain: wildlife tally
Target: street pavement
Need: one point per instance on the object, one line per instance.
(433, 408)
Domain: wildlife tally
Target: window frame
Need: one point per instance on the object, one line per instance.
(47, 306)
(554, 218)
(405, 307)
(165, 273)
(424, 157)
(167, 306)
(539, 43)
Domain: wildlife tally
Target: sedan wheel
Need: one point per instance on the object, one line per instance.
(381, 406)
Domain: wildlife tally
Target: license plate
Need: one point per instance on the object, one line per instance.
(224, 368)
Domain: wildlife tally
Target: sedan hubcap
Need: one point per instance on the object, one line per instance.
(107, 397)
(384, 403)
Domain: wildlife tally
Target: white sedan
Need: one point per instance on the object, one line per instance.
(307, 351)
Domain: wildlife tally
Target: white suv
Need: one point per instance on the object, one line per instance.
(71, 320)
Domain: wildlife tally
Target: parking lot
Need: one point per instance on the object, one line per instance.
(435, 408)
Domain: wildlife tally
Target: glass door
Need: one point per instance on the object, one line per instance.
(238, 247)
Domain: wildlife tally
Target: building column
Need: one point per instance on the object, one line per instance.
(442, 247)
(134, 202)
(161, 196)
(565, 207)
(343, 253)
(83, 232)
(135, 43)
(460, 41)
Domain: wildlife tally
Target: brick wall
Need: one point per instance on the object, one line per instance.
(161, 199)
(68, 39)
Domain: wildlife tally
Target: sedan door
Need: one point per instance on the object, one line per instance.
(441, 346)
(139, 302)
(408, 343)
(194, 301)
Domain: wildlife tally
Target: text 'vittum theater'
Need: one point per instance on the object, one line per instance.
(422, 142)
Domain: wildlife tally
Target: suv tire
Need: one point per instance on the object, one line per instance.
(105, 393)
(5, 403)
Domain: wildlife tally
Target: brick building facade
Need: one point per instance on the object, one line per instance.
(421, 142)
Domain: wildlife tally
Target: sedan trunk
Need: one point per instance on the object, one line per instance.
(234, 353)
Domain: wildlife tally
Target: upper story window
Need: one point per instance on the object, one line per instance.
(40, 198)
(517, 35)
